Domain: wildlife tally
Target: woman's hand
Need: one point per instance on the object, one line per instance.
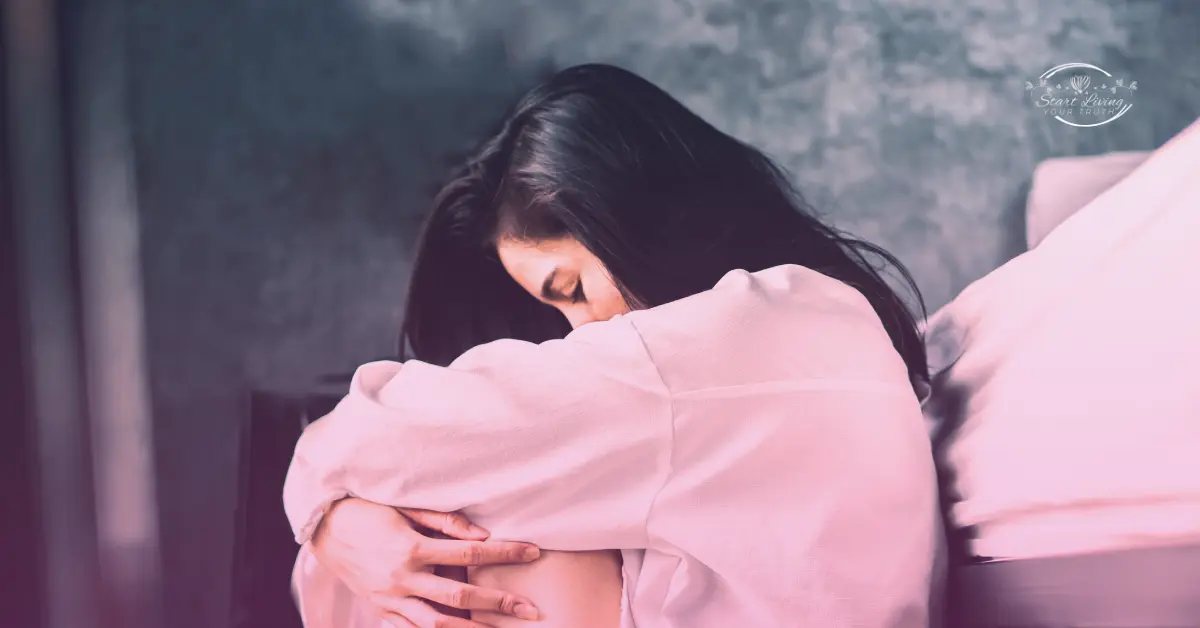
(379, 554)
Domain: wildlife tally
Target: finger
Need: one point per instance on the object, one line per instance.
(449, 523)
(422, 615)
(399, 622)
(470, 597)
(473, 553)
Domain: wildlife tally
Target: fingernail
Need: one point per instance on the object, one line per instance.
(476, 530)
(531, 553)
(526, 612)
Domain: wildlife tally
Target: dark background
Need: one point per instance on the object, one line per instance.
(284, 151)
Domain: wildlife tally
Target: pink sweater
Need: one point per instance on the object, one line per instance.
(755, 451)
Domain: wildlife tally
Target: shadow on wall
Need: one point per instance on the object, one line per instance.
(283, 154)
(1012, 222)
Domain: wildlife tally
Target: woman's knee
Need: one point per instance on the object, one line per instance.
(577, 589)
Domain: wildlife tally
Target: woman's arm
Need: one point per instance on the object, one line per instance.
(563, 444)
(388, 568)
(390, 563)
(571, 589)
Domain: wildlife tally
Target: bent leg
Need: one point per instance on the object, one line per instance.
(570, 589)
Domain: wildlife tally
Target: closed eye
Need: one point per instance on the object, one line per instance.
(550, 294)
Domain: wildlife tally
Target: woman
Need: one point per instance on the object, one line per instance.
(731, 434)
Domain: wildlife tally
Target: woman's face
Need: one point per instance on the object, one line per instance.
(563, 273)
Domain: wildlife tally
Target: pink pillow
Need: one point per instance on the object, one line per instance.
(1061, 186)
(1068, 375)
(1064, 185)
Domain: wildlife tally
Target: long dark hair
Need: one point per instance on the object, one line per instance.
(667, 202)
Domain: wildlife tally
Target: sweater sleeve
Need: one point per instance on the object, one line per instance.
(564, 444)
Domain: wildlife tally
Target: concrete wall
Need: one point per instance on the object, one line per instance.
(285, 151)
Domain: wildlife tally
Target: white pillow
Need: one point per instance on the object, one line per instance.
(1072, 374)
(1063, 185)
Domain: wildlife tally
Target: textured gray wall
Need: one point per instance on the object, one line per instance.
(285, 150)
